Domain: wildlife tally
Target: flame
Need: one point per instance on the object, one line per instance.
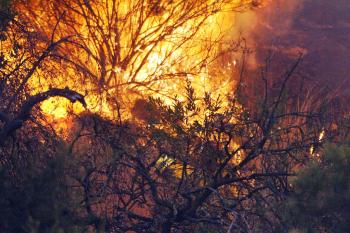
(162, 73)
(321, 136)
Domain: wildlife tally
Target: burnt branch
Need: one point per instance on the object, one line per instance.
(11, 125)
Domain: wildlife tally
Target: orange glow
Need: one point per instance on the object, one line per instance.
(189, 51)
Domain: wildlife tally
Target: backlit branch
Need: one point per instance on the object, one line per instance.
(25, 111)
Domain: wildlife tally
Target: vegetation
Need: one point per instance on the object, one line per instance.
(181, 161)
(6, 15)
(34, 198)
(320, 199)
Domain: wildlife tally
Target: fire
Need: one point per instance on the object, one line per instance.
(320, 139)
(122, 57)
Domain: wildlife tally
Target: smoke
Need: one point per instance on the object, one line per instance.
(275, 16)
(264, 28)
(319, 29)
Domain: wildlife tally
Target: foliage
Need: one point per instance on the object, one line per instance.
(34, 198)
(321, 198)
(201, 161)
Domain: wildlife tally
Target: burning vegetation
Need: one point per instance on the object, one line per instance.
(161, 116)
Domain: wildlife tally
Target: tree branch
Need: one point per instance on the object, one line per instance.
(25, 111)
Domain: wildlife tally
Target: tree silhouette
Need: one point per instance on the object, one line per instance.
(194, 163)
(130, 49)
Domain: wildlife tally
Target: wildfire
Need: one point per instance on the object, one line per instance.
(122, 57)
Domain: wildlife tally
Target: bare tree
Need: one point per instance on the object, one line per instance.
(131, 48)
(195, 163)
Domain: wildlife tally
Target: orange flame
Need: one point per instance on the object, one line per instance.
(195, 59)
